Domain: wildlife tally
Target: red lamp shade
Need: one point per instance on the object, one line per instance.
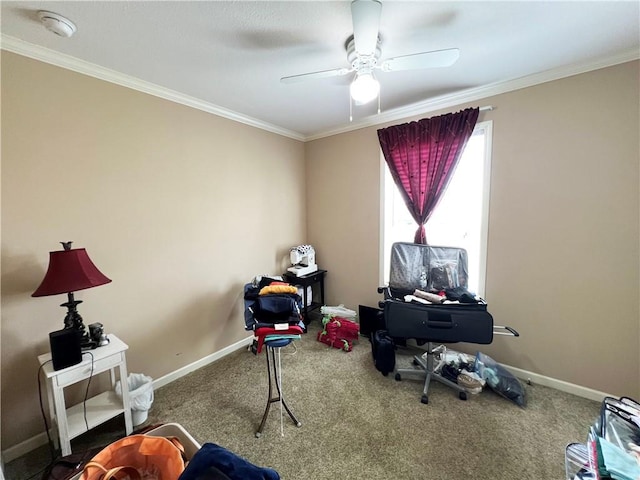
(69, 271)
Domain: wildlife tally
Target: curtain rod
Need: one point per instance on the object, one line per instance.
(486, 108)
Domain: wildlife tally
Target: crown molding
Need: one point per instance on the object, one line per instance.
(52, 57)
(479, 93)
(15, 45)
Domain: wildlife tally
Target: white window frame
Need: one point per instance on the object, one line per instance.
(385, 207)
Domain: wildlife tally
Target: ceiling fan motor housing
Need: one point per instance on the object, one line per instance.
(362, 63)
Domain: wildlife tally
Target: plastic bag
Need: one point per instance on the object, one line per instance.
(619, 423)
(499, 379)
(446, 356)
(339, 311)
(140, 391)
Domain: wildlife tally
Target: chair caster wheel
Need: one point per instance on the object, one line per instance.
(424, 399)
(398, 377)
(462, 395)
(258, 434)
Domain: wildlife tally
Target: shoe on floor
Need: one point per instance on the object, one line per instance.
(470, 384)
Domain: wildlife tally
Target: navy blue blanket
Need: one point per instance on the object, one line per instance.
(214, 458)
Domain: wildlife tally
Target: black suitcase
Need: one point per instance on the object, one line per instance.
(383, 351)
(465, 322)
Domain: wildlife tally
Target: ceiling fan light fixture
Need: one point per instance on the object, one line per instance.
(364, 88)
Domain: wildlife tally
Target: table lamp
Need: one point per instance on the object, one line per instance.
(71, 270)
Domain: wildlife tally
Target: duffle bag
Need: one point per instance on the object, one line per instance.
(275, 308)
(137, 457)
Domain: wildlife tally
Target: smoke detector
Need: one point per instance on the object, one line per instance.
(57, 23)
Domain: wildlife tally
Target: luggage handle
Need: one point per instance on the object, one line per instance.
(440, 323)
(500, 330)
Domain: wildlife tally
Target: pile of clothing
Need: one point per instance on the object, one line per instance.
(444, 296)
(272, 310)
(213, 462)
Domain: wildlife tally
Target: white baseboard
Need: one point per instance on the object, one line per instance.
(24, 447)
(577, 390)
(192, 367)
(40, 439)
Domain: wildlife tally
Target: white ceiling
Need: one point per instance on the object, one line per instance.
(227, 57)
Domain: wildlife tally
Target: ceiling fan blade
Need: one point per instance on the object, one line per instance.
(366, 23)
(315, 75)
(434, 59)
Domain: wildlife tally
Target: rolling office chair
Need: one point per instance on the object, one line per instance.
(433, 269)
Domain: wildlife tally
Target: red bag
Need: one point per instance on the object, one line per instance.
(335, 343)
(339, 333)
(137, 457)
(345, 329)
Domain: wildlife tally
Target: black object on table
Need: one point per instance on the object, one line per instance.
(308, 281)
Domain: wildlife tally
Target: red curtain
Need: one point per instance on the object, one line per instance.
(422, 157)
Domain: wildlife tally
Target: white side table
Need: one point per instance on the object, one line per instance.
(71, 421)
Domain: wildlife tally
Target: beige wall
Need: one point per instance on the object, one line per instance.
(178, 207)
(563, 249)
(167, 200)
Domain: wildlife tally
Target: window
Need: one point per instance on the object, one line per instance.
(459, 220)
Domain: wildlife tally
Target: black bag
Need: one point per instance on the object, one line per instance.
(65, 468)
(383, 350)
(276, 308)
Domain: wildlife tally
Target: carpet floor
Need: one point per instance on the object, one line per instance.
(357, 423)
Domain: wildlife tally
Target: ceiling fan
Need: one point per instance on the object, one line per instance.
(364, 51)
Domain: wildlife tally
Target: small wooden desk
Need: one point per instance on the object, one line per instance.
(315, 278)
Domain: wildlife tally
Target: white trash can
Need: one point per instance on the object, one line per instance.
(140, 396)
